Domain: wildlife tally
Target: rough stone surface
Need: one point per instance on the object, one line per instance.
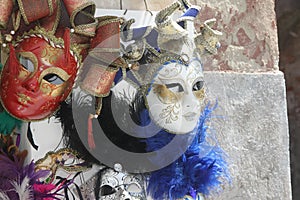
(249, 41)
(254, 133)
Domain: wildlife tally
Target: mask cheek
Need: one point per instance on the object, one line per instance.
(200, 95)
(164, 94)
(53, 90)
(23, 74)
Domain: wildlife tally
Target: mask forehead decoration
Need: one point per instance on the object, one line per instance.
(39, 74)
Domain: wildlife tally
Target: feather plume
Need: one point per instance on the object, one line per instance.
(82, 102)
(190, 173)
(23, 189)
(84, 106)
(8, 123)
(4, 196)
(17, 179)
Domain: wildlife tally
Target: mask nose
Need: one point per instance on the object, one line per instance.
(190, 101)
(31, 84)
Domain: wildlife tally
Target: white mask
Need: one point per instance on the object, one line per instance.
(122, 186)
(176, 96)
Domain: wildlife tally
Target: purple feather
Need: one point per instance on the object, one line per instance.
(13, 173)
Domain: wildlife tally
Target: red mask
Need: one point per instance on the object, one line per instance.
(36, 78)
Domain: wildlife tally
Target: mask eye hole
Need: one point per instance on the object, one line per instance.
(198, 85)
(175, 87)
(107, 190)
(26, 63)
(53, 79)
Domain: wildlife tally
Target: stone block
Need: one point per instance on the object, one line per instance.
(253, 130)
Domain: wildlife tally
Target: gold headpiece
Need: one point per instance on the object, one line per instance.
(168, 40)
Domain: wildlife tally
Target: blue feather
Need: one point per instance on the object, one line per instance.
(191, 173)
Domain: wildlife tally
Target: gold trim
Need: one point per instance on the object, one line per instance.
(104, 20)
(53, 156)
(200, 94)
(21, 8)
(99, 106)
(50, 38)
(81, 8)
(50, 5)
(127, 24)
(165, 95)
(3, 25)
(31, 56)
(82, 28)
(57, 18)
(104, 67)
(137, 76)
(16, 20)
(55, 70)
(130, 57)
(163, 18)
(105, 50)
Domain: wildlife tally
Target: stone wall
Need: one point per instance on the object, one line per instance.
(248, 43)
(253, 132)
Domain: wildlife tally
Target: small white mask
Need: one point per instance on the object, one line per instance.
(122, 186)
(176, 96)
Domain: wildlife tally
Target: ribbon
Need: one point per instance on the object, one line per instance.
(81, 14)
(105, 59)
(106, 43)
(5, 12)
(48, 13)
(32, 10)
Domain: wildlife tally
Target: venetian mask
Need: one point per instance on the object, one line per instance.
(38, 75)
(176, 96)
(122, 186)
